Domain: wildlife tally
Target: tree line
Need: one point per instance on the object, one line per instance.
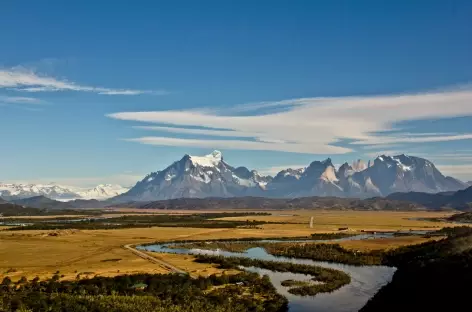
(330, 279)
(156, 293)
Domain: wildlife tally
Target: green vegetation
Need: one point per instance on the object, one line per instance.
(12, 210)
(324, 252)
(154, 293)
(205, 220)
(433, 276)
(292, 283)
(329, 236)
(233, 246)
(243, 244)
(465, 217)
(330, 279)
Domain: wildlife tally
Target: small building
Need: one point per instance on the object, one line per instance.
(139, 286)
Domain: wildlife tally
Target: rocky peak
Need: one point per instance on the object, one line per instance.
(345, 170)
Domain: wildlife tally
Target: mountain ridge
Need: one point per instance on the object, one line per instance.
(14, 191)
(461, 199)
(210, 176)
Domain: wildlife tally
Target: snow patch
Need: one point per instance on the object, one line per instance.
(169, 177)
(401, 165)
(210, 160)
(243, 182)
(202, 178)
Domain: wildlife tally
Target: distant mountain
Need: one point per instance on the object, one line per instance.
(406, 174)
(42, 202)
(461, 199)
(17, 191)
(102, 191)
(470, 183)
(211, 176)
(10, 191)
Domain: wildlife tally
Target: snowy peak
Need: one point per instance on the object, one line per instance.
(210, 176)
(295, 173)
(316, 168)
(103, 191)
(211, 160)
(57, 192)
(17, 191)
(345, 170)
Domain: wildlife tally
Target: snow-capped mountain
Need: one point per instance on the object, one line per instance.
(102, 191)
(17, 191)
(405, 174)
(211, 176)
(11, 191)
(197, 176)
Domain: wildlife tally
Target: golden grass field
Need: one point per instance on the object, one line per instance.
(34, 253)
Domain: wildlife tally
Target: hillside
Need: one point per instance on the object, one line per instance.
(258, 203)
(461, 200)
(434, 276)
(465, 217)
(42, 202)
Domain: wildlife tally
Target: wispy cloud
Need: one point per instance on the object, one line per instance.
(22, 79)
(313, 125)
(462, 172)
(20, 100)
(241, 145)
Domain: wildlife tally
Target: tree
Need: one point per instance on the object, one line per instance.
(6, 281)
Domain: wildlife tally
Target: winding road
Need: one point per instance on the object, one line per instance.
(152, 259)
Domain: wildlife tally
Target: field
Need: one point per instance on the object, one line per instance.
(100, 252)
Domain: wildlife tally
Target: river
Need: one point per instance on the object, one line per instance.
(365, 280)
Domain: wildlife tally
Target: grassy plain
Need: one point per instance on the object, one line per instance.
(100, 252)
(332, 220)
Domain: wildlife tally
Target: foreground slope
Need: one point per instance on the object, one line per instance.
(434, 276)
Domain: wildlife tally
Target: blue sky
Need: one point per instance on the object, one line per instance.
(102, 91)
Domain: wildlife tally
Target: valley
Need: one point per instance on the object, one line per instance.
(43, 252)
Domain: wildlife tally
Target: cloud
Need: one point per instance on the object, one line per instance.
(21, 79)
(20, 100)
(241, 145)
(209, 132)
(462, 172)
(312, 125)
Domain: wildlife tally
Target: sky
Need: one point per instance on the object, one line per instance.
(108, 91)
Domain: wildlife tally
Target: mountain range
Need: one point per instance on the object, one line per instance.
(211, 176)
(12, 191)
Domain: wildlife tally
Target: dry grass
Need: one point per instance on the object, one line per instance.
(331, 220)
(33, 253)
